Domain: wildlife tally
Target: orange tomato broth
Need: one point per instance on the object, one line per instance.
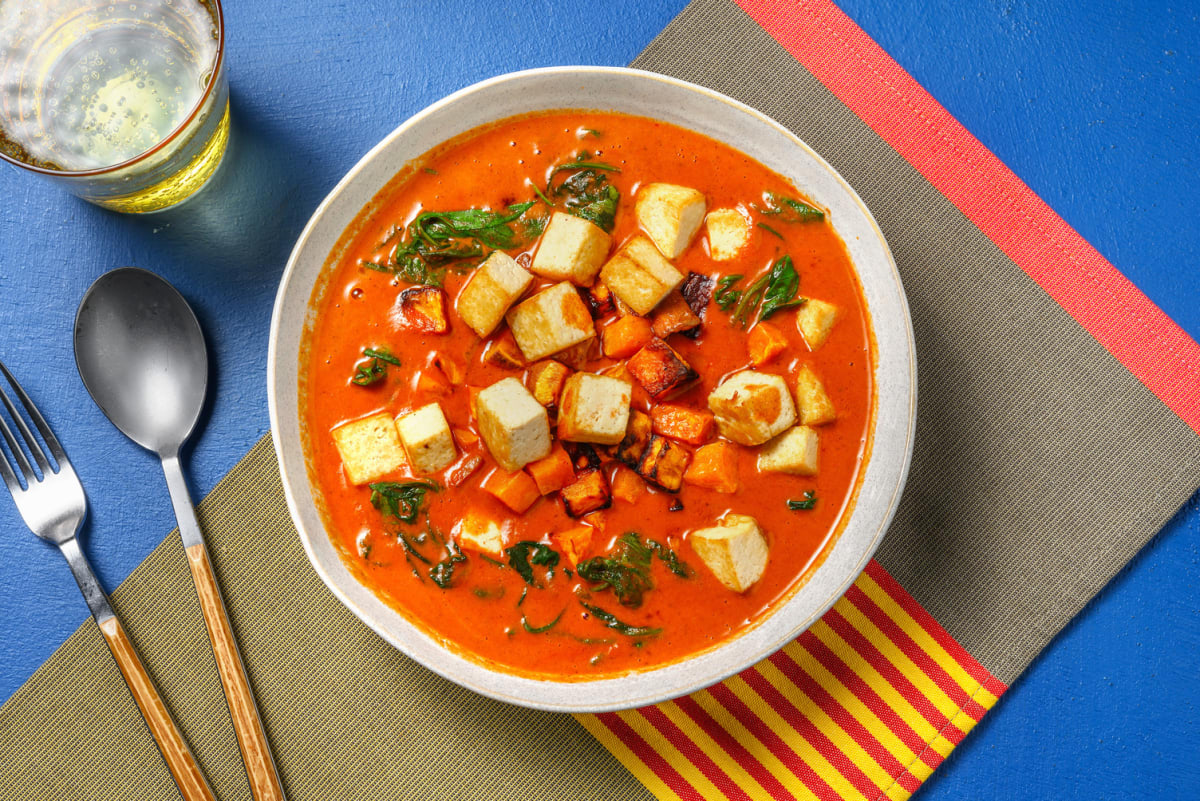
(478, 615)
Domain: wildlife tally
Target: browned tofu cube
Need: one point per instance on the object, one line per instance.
(551, 321)
(660, 370)
(503, 352)
(545, 381)
(664, 462)
(637, 437)
(674, 316)
(421, 309)
(639, 275)
(588, 493)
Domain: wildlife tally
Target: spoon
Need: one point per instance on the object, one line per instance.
(141, 354)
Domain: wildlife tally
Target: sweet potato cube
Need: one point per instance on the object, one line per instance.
(627, 485)
(458, 473)
(552, 472)
(589, 492)
(450, 368)
(370, 448)
(815, 319)
(728, 232)
(503, 352)
(545, 381)
(794, 452)
(715, 467)
(571, 249)
(674, 316)
(431, 383)
(751, 407)
(492, 289)
(664, 463)
(639, 275)
(765, 343)
(515, 490)
(600, 301)
(625, 336)
(421, 309)
(660, 370)
(427, 440)
(552, 320)
(514, 426)
(697, 290)
(574, 542)
(679, 422)
(479, 533)
(670, 214)
(812, 402)
(735, 550)
(577, 356)
(594, 408)
(637, 437)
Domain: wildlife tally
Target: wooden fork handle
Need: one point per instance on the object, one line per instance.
(251, 737)
(174, 748)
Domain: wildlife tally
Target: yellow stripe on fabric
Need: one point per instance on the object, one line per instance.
(828, 726)
(984, 698)
(911, 670)
(850, 702)
(803, 748)
(687, 769)
(716, 753)
(759, 749)
(626, 757)
(897, 793)
(918, 633)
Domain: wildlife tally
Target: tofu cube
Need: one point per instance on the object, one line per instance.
(660, 370)
(514, 426)
(545, 381)
(812, 402)
(589, 492)
(793, 452)
(594, 408)
(815, 319)
(552, 320)
(370, 448)
(715, 467)
(492, 289)
(515, 490)
(571, 249)
(664, 462)
(639, 275)
(675, 316)
(752, 407)
(427, 440)
(670, 214)
(478, 533)
(735, 550)
(421, 309)
(728, 232)
(637, 437)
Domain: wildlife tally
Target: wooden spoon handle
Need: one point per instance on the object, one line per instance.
(174, 748)
(252, 738)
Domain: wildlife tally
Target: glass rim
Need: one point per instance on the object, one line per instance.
(218, 62)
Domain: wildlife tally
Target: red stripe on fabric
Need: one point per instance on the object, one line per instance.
(863, 691)
(975, 709)
(907, 645)
(771, 739)
(693, 753)
(892, 674)
(652, 759)
(927, 622)
(833, 708)
(731, 746)
(909, 782)
(809, 731)
(1105, 303)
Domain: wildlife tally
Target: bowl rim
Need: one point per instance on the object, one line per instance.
(473, 673)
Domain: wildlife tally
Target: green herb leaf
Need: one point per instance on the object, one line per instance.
(744, 310)
(586, 191)
(401, 500)
(782, 285)
(541, 629)
(610, 621)
(627, 569)
(374, 368)
(443, 572)
(726, 295)
(524, 555)
(769, 229)
(809, 502)
(788, 210)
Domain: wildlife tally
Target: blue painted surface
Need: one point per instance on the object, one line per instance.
(1096, 106)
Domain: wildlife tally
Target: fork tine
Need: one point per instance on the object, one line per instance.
(10, 478)
(18, 454)
(38, 420)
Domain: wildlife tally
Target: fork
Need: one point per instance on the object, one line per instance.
(54, 506)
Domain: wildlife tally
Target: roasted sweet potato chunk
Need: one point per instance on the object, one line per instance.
(553, 472)
(574, 542)
(660, 370)
(589, 492)
(503, 352)
(627, 485)
(715, 466)
(675, 316)
(516, 490)
(637, 437)
(681, 423)
(421, 309)
(697, 290)
(765, 343)
(664, 463)
(600, 301)
(626, 336)
(545, 381)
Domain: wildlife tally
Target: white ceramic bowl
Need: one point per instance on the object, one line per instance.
(690, 106)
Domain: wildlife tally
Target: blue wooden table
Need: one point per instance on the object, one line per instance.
(1096, 106)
